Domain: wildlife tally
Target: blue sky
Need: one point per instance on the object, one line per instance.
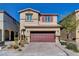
(62, 9)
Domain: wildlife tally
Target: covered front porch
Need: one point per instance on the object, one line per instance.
(6, 35)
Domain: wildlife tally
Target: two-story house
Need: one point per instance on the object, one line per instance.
(38, 27)
(9, 27)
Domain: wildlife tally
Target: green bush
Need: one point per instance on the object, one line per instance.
(63, 43)
(21, 43)
(19, 49)
(16, 40)
(72, 46)
(13, 47)
(16, 44)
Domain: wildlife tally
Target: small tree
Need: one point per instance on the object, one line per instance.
(69, 23)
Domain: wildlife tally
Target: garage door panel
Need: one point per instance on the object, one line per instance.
(42, 37)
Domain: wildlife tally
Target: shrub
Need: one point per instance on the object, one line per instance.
(13, 47)
(1, 43)
(21, 43)
(16, 40)
(19, 49)
(10, 46)
(16, 44)
(72, 46)
(63, 43)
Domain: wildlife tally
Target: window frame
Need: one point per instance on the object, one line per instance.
(47, 18)
(28, 18)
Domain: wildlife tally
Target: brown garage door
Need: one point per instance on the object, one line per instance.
(42, 36)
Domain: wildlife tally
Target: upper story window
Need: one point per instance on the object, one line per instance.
(47, 18)
(29, 17)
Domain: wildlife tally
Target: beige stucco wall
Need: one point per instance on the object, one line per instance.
(28, 30)
(24, 22)
(34, 16)
(23, 18)
(77, 29)
(42, 29)
(36, 21)
(54, 21)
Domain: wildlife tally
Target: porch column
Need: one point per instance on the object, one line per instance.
(28, 39)
(57, 39)
(20, 35)
(77, 43)
(57, 36)
(27, 34)
(3, 35)
(9, 35)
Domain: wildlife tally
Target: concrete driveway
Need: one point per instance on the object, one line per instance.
(37, 49)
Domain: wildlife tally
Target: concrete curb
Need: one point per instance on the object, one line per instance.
(68, 52)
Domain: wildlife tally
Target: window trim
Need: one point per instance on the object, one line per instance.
(29, 19)
(47, 18)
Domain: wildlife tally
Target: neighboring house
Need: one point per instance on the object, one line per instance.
(9, 27)
(38, 27)
(74, 35)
